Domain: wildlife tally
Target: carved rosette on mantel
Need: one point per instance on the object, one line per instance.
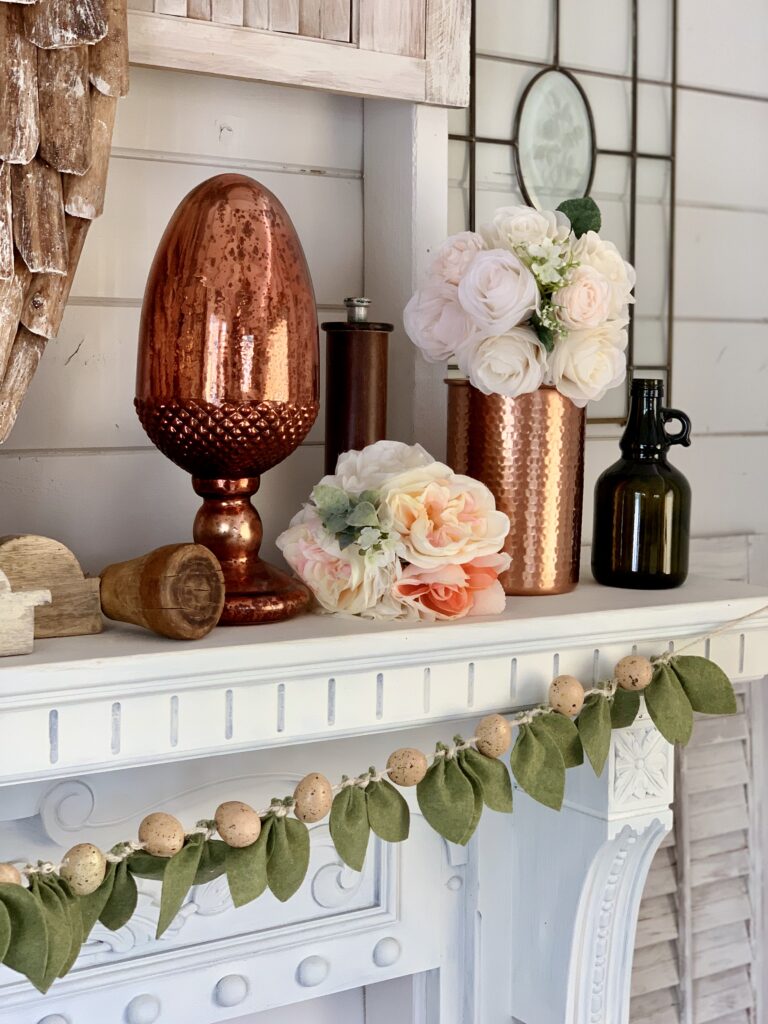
(63, 67)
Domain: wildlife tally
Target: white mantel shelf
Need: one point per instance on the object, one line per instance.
(127, 698)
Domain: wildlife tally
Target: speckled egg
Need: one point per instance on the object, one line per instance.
(237, 823)
(9, 875)
(493, 735)
(161, 834)
(313, 797)
(84, 868)
(633, 672)
(566, 695)
(407, 766)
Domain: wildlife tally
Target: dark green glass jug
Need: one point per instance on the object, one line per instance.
(642, 503)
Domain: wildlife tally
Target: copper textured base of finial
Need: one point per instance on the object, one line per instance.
(229, 526)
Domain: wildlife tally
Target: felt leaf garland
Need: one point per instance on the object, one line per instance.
(388, 813)
(5, 931)
(57, 933)
(492, 776)
(624, 708)
(144, 865)
(565, 734)
(538, 766)
(213, 861)
(71, 906)
(120, 906)
(594, 724)
(287, 856)
(28, 950)
(706, 686)
(447, 799)
(247, 868)
(668, 706)
(477, 807)
(178, 879)
(91, 906)
(349, 826)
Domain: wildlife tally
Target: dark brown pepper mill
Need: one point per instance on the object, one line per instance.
(355, 382)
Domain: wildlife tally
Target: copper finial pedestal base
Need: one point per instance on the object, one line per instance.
(229, 526)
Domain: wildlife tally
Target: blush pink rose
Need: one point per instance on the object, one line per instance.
(585, 301)
(454, 591)
(436, 322)
(454, 256)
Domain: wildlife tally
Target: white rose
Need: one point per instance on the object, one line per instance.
(522, 225)
(454, 256)
(367, 470)
(592, 251)
(436, 322)
(511, 364)
(586, 364)
(585, 301)
(498, 291)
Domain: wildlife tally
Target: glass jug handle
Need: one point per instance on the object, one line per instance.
(683, 436)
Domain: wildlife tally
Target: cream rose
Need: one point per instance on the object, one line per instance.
(511, 364)
(498, 291)
(522, 225)
(454, 256)
(442, 517)
(585, 301)
(367, 470)
(592, 251)
(436, 322)
(586, 364)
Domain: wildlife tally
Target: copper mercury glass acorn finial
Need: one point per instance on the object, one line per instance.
(227, 380)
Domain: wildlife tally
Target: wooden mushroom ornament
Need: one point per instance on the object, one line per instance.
(17, 617)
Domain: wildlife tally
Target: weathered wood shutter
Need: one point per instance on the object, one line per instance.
(695, 958)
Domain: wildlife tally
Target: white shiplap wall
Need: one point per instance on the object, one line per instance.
(78, 466)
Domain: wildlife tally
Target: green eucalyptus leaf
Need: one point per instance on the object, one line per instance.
(120, 906)
(71, 904)
(447, 799)
(349, 826)
(706, 686)
(92, 906)
(669, 706)
(336, 523)
(346, 538)
(287, 856)
(363, 514)
(538, 766)
(213, 861)
(625, 705)
(370, 496)
(583, 213)
(388, 813)
(178, 879)
(27, 952)
(247, 868)
(594, 724)
(565, 734)
(493, 777)
(330, 500)
(57, 929)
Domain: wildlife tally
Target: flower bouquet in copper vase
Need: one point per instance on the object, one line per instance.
(534, 310)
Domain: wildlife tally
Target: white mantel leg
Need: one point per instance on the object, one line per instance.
(577, 880)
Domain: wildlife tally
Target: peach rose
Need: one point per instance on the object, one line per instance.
(443, 518)
(454, 591)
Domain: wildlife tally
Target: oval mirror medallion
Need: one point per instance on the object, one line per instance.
(554, 140)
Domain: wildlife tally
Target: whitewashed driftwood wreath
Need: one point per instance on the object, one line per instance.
(63, 66)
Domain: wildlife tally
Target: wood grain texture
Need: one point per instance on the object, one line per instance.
(65, 109)
(47, 294)
(39, 563)
(108, 60)
(336, 22)
(178, 8)
(227, 12)
(84, 195)
(17, 612)
(284, 15)
(394, 26)
(11, 304)
(310, 18)
(447, 51)
(38, 217)
(200, 9)
(51, 24)
(6, 224)
(24, 359)
(19, 132)
(256, 13)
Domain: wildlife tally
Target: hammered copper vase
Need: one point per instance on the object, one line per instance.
(227, 382)
(529, 451)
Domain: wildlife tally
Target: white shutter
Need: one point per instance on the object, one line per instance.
(694, 951)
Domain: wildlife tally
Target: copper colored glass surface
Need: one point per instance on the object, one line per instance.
(530, 452)
(227, 380)
(457, 434)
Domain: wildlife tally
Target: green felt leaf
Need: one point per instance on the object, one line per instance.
(594, 725)
(477, 808)
(71, 904)
(330, 500)
(91, 907)
(247, 868)
(5, 931)
(668, 706)
(122, 900)
(178, 880)
(447, 799)
(144, 865)
(213, 861)
(57, 929)
(565, 734)
(493, 776)
(349, 826)
(706, 686)
(538, 767)
(363, 514)
(28, 949)
(287, 856)
(624, 708)
(583, 213)
(388, 813)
